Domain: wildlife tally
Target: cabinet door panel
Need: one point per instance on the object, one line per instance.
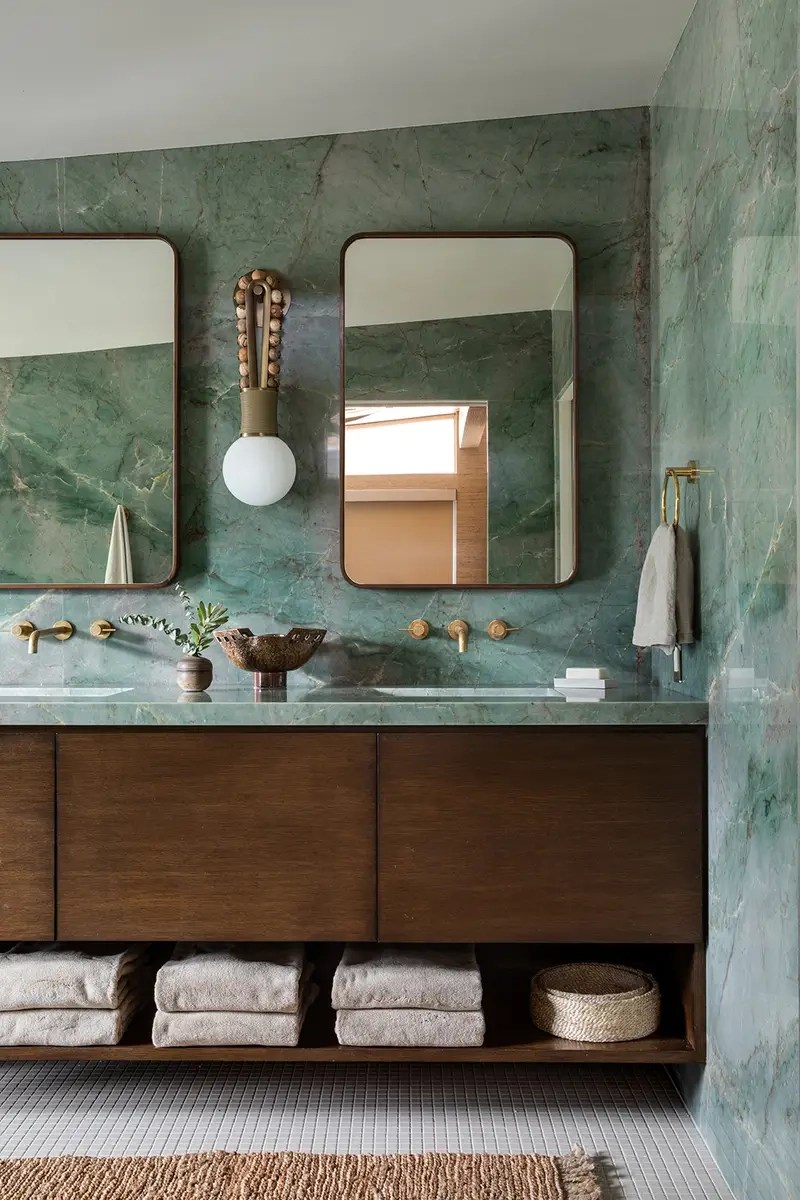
(27, 849)
(541, 835)
(216, 834)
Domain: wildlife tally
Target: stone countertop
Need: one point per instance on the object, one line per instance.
(363, 706)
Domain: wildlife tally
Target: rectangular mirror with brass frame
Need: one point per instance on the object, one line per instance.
(458, 412)
(88, 411)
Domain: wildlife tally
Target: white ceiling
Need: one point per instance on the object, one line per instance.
(97, 76)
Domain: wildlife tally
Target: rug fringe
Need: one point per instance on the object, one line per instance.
(577, 1172)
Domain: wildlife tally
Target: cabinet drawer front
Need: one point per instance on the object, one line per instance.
(27, 809)
(541, 835)
(216, 834)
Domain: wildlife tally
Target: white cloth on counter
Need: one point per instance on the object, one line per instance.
(70, 1026)
(228, 977)
(409, 1027)
(80, 976)
(446, 978)
(665, 605)
(233, 1028)
(119, 568)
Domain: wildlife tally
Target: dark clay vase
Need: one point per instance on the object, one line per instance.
(195, 673)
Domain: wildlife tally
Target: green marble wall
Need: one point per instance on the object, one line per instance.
(506, 361)
(79, 434)
(291, 205)
(724, 200)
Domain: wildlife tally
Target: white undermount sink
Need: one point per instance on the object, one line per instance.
(467, 693)
(28, 691)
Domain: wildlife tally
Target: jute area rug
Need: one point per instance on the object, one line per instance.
(224, 1176)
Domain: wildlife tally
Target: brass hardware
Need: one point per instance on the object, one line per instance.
(102, 629)
(419, 629)
(459, 632)
(498, 630)
(691, 472)
(62, 630)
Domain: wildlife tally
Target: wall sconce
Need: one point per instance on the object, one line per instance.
(259, 468)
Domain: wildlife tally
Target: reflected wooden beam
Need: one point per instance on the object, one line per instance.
(471, 426)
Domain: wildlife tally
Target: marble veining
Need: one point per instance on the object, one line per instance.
(291, 205)
(724, 237)
(642, 704)
(81, 433)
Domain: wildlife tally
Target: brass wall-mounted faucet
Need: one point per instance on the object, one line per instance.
(62, 630)
(459, 632)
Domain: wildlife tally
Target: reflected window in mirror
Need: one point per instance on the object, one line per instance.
(88, 408)
(458, 410)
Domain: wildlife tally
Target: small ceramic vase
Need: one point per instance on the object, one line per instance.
(195, 673)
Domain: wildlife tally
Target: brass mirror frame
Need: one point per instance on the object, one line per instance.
(176, 430)
(463, 587)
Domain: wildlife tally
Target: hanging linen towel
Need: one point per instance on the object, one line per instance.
(118, 566)
(664, 610)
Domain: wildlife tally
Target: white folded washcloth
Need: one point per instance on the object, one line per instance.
(233, 1028)
(90, 975)
(436, 977)
(665, 604)
(70, 1026)
(228, 977)
(409, 1027)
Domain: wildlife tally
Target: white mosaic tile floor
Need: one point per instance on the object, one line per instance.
(630, 1118)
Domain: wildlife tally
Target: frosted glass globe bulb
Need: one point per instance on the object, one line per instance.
(258, 470)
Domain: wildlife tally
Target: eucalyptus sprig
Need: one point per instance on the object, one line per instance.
(203, 620)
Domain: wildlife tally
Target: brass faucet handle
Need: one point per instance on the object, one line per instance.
(22, 629)
(419, 629)
(63, 630)
(498, 630)
(102, 629)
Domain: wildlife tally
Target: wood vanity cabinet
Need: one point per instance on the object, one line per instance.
(541, 835)
(27, 837)
(216, 834)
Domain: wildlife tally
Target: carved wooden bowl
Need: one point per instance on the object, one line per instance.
(270, 655)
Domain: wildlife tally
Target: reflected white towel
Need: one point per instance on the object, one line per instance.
(435, 977)
(118, 566)
(232, 1028)
(89, 975)
(409, 1027)
(223, 977)
(664, 608)
(69, 1026)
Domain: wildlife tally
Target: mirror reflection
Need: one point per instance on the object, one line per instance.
(87, 411)
(458, 410)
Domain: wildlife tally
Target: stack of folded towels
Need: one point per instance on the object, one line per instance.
(233, 995)
(408, 996)
(77, 995)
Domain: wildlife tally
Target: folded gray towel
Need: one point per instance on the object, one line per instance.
(438, 977)
(232, 1028)
(223, 977)
(409, 1027)
(69, 1026)
(89, 975)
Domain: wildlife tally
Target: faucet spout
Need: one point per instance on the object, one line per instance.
(459, 632)
(63, 630)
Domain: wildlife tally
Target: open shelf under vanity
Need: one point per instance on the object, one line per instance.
(510, 1035)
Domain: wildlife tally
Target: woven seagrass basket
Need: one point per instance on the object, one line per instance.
(595, 1002)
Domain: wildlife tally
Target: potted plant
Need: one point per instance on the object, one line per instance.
(194, 671)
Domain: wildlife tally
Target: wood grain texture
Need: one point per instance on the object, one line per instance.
(216, 834)
(27, 800)
(541, 835)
